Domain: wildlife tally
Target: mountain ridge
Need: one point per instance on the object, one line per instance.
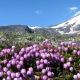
(71, 26)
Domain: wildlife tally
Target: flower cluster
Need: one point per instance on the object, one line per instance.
(44, 60)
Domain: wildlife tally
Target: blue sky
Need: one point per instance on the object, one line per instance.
(37, 12)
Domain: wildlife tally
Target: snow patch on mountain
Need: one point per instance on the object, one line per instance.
(61, 32)
(34, 27)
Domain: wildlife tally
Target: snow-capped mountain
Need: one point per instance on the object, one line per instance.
(71, 26)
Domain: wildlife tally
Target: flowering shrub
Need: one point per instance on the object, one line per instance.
(43, 60)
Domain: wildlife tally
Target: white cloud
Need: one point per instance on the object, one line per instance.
(38, 12)
(77, 13)
(73, 8)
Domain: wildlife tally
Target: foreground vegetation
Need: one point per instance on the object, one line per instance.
(41, 59)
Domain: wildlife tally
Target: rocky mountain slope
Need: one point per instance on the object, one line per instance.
(16, 28)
